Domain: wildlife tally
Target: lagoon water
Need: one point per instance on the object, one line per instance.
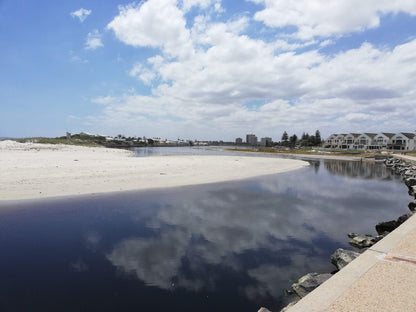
(232, 246)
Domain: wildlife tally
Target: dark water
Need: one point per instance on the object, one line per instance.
(183, 150)
(221, 247)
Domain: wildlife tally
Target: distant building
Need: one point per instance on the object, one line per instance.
(239, 141)
(403, 141)
(372, 141)
(266, 141)
(251, 139)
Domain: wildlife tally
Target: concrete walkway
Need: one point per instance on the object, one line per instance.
(383, 278)
(406, 157)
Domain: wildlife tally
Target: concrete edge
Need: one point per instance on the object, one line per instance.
(325, 295)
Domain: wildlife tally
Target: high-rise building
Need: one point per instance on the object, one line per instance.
(251, 139)
(266, 141)
(239, 141)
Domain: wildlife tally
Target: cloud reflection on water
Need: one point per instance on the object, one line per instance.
(269, 230)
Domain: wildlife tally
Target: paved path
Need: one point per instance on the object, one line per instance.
(381, 279)
(406, 157)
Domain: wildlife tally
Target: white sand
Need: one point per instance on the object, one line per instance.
(30, 171)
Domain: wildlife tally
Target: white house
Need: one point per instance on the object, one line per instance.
(403, 141)
(330, 141)
(364, 141)
(372, 141)
(350, 140)
(382, 140)
(335, 141)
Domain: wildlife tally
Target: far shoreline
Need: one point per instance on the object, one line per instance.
(304, 156)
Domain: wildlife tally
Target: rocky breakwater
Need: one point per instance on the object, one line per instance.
(341, 257)
(408, 172)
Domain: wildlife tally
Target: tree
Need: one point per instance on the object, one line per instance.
(318, 139)
(285, 137)
(293, 139)
(304, 136)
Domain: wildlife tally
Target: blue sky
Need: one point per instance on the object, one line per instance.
(207, 69)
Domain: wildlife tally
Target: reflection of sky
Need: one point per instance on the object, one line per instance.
(289, 221)
(233, 241)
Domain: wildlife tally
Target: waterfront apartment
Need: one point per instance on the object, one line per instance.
(402, 141)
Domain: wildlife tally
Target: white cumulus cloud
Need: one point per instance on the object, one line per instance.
(93, 40)
(155, 23)
(214, 79)
(81, 14)
(203, 4)
(327, 18)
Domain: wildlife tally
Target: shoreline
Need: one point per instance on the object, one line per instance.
(306, 156)
(35, 171)
(356, 285)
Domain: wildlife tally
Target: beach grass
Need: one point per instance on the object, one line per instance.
(62, 140)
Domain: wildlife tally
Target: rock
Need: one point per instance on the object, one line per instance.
(287, 308)
(264, 310)
(341, 257)
(387, 226)
(352, 235)
(409, 173)
(412, 191)
(412, 205)
(390, 226)
(378, 238)
(309, 282)
(362, 241)
(410, 182)
(403, 218)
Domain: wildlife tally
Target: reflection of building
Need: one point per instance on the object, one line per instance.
(266, 141)
(239, 141)
(356, 169)
(372, 141)
(251, 139)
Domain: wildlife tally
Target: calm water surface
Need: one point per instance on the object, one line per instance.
(221, 247)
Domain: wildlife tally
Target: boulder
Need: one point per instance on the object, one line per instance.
(341, 257)
(264, 310)
(403, 218)
(387, 226)
(409, 173)
(412, 205)
(378, 238)
(352, 235)
(410, 182)
(390, 226)
(412, 191)
(309, 282)
(361, 241)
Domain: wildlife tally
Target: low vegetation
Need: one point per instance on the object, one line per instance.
(77, 139)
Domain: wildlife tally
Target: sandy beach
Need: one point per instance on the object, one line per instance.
(30, 171)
